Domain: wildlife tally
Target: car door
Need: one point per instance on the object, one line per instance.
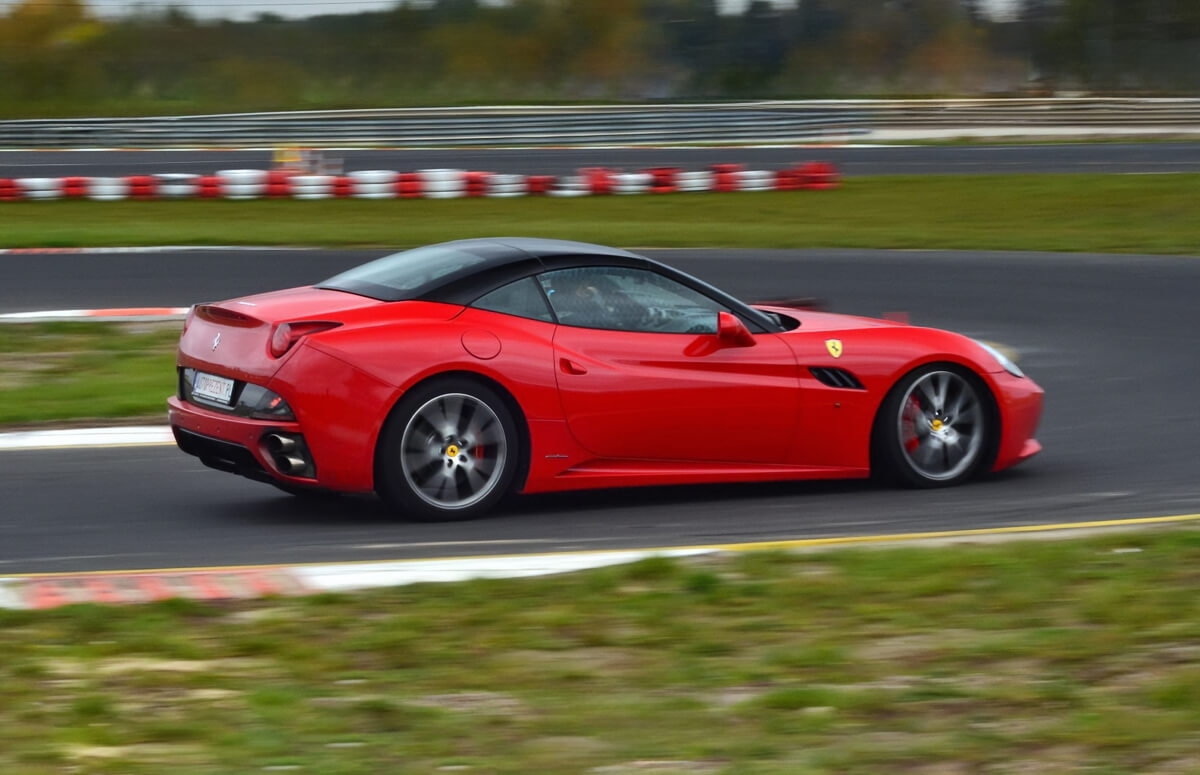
(644, 372)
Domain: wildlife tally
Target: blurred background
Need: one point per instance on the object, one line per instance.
(121, 57)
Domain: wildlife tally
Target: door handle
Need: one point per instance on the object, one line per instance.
(570, 367)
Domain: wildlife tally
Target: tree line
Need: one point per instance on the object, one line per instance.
(59, 58)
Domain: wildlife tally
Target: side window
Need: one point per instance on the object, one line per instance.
(626, 299)
(521, 298)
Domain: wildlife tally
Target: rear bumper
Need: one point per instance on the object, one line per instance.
(225, 442)
(221, 455)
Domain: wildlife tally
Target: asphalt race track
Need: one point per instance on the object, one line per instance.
(1112, 339)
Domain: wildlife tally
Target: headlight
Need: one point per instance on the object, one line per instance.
(1005, 362)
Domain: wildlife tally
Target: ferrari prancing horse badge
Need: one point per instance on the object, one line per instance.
(834, 346)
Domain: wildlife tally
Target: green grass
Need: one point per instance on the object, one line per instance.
(1038, 656)
(79, 371)
(1105, 213)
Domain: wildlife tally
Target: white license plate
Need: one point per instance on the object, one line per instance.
(212, 387)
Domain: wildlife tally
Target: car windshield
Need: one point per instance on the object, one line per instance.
(408, 274)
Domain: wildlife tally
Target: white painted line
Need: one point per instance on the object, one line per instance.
(352, 576)
(130, 314)
(129, 436)
(150, 249)
(33, 317)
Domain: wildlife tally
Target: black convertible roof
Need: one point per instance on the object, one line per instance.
(545, 248)
(461, 271)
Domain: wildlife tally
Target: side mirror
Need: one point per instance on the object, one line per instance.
(732, 332)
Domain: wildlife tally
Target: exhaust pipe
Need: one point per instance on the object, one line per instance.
(291, 464)
(289, 454)
(280, 444)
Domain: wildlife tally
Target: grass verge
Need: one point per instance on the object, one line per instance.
(81, 371)
(1102, 213)
(1031, 657)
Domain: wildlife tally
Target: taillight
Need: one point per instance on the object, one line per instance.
(285, 335)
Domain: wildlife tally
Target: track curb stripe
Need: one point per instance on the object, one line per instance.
(40, 592)
(51, 590)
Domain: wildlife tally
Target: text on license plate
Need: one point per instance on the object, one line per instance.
(212, 387)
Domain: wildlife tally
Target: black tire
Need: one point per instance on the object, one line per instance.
(449, 451)
(936, 428)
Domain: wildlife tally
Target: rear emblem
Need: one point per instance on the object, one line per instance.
(834, 346)
(216, 341)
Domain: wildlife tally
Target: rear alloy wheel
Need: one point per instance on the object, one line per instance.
(936, 427)
(448, 452)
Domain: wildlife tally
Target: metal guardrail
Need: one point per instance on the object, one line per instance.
(760, 122)
(1031, 112)
(449, 127)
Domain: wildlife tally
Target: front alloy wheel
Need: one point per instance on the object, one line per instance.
(448, 452)
(936, 427)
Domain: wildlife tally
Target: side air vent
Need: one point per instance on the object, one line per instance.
(836, 378)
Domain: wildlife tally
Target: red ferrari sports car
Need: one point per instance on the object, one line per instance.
(445, 377)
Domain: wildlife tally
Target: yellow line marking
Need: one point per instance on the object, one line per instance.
(984, 531)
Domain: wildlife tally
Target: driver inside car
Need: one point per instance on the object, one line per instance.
(585, 298)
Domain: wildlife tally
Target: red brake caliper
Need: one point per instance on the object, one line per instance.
(908, 426)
